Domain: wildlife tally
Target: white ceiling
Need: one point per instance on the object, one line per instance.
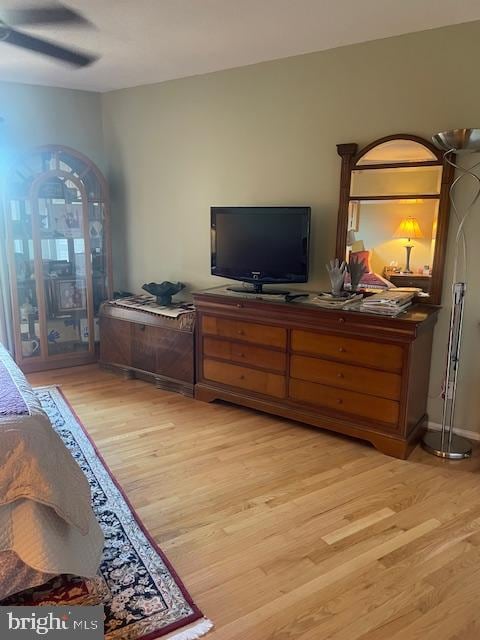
(146, 41)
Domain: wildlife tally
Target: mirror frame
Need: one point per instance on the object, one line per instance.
(351, 156)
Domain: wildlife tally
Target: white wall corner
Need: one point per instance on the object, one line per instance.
(466, 433)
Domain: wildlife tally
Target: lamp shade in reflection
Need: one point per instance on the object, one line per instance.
(408, 228)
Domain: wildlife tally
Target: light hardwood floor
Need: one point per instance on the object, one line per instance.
(283, 532)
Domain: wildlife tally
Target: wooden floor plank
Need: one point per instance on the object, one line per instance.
(285, 532)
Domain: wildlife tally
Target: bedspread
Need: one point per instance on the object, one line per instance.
(34, 462)
(46, 518)
(11, 399)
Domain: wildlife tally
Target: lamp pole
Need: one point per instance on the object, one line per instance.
(446, 443)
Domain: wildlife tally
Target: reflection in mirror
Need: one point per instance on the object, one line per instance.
(393, 211)
(397, 151)
(396, 239)
(400, 181)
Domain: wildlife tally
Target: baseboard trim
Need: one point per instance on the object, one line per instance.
(466, 433)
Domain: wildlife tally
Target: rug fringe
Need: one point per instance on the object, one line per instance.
(197, 630)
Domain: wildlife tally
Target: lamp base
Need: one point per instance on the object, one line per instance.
(460, 448)
(408, 248)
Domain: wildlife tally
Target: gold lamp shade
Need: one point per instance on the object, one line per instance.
(408, 228)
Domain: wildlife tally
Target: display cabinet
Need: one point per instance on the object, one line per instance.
(59, 257)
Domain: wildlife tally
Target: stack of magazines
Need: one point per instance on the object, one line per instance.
(329, 301)
(387, 303)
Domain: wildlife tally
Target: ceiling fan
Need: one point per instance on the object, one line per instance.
(55, 14)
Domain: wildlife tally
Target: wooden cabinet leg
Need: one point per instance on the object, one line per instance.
(203, 394)
(392, 447)
(395, 447)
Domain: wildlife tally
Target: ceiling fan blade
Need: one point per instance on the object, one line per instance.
(20, 39)
(48, 14)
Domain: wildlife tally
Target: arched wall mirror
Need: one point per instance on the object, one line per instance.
(393, 213)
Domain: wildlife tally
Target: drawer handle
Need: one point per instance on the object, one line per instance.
(340, 375)
(341, 319)
(242, 377)
(142, 327)
(342, 349)
(339, 401)
(239, 305)
(241, 332)
(242, 355)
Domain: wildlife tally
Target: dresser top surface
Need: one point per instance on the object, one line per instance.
(179, 317)
(415, 314)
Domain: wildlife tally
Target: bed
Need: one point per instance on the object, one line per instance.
(47, 525)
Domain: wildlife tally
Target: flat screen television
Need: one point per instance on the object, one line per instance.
(260, 245)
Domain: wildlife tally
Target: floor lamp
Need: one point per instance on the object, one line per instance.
(445, 443)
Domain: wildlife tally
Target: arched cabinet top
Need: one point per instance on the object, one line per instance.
(52, 159)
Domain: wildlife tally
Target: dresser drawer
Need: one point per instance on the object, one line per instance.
(346, 376)
(387, 357)
(356, 404)
(269, 384)
(246, 331)
(245, 354)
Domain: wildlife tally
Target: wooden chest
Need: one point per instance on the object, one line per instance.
(358, 374)
(149, 346)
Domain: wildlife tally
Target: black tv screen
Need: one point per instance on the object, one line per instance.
(260, 244)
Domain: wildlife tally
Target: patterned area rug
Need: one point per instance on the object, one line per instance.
(142, 595)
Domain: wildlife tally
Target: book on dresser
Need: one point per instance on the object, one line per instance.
(355, 373)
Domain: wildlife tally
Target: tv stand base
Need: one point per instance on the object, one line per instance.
(259, 290)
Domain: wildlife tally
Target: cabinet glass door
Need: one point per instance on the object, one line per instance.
(64, 266)
(99, 260)
(25, 284)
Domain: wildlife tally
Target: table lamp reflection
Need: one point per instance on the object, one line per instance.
(408, 228)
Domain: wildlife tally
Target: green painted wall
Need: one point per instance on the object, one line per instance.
(266, 134)
(35, 115)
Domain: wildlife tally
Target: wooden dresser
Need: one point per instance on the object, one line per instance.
(144, 345)
(358, 374)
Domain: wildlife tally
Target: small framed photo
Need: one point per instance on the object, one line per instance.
(71, 295)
